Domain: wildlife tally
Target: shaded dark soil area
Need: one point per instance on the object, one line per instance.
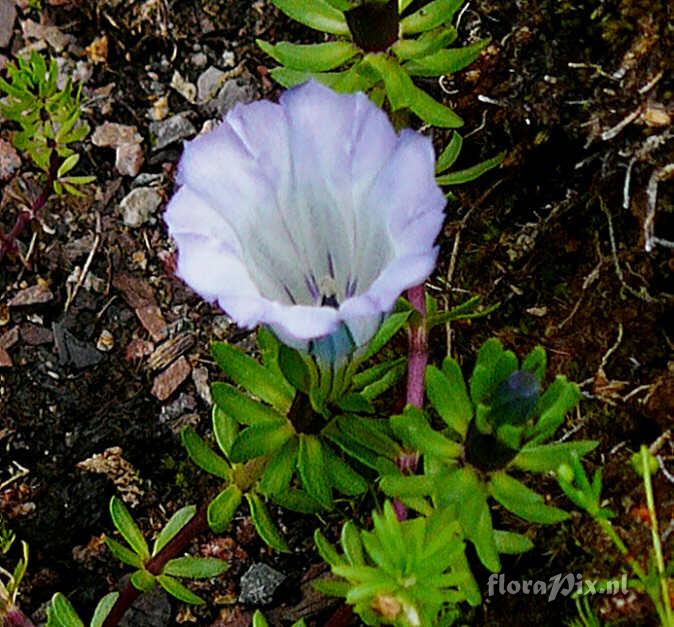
(580, 94)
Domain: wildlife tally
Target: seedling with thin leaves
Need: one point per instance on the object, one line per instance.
(655, 580)
(136, 553)
(493, 427)
(405, 573)
(48, 121)
(9, 589)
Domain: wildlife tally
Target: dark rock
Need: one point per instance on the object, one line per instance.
(72, 351)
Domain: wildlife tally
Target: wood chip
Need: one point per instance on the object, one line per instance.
(34, 334)
(168, 381)
(5, 359)
(9, 338)
(170, 350)
(33, 295)
(151, 318)
(138, 349)
(125, 477)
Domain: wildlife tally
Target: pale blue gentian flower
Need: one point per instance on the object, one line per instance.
(310, 216)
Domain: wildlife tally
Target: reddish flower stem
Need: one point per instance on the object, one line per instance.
(418, 348)
(197, 525)
(8, 242)
(16, 618)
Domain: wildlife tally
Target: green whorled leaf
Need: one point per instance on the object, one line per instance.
(280, 469)
(259, 620)
(415, 433)
(310, 57)
(317, 14)
(393, 375)
(481, 380)
(431, 111)
(142, 580)
(103, 609)
(522, 501)
(252, 376)
(407, 486)
(511, 543)
(123, 554)
(241, 407)
(327, 551)
(463, 490)
(173, 526)
(179, 590)
(547, 457)
(264, 525)
(298, 501)
(225, 429)
(560, 398)
(353, 448)
(375, 373)
(203, 455)
(294, 368)
(260, 439)
(430, 16)
(399, 86)
(385, 333)
(347, 81)
(536, 362)
(222, 508)
(467, 310)
(61, 613)
(312, 468)
(352, 545)
(450, 154)
(355, 403)
(128, 528)
(342, 477)
(447, 393)
(332, 587)
(406, 49)
(67, 165)
(470, 174)
(446, 61)
(195, 567)
(370, 433)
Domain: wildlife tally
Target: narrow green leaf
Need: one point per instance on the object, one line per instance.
(123, 554)
(446, 61)
(430, 16)
(447, 393)
(415, 433)
(385, 333)
(225, 429)
(103, 609)
(431, 111)
(312, 469)
(546, 457)
(260, 439)
(511, 543)
(560, 398)
(291, 78)
(222, 508)
(536, 362)
(470, 174)
(264, 525)
(327, 551)
(203, 455)
(173, 526)
(127, 527)
(481, 380)
(294, 368)
(178, 590)
(142, 580)
(318, 15)
(259, 620)
(62, 611)
(406, 49)
(343, 478)
(242, 408)
(332, 587)
(450, 154)
(280, 469)
(195, 567)
(406, 486)
(310, 57)
(353, 547)
(356, 404)
(252, 376)
(370, 433)
(398, 84)
(524, 502)
(298, 501)
(67, 165)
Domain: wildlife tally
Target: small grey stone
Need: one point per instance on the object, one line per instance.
(171, 130)
(7, 18)
(139, 205)
(151, 609)
(73, 351)
(259, 583)
(145, 179)
(199, 59)
(209, 83)
(234, 91)
(10, 161)
(129, 159)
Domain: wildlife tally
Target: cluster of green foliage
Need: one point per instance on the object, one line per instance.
(48, 118)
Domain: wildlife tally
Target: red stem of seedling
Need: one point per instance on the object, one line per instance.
(197, 525)
(16, 618)
(8, 242)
